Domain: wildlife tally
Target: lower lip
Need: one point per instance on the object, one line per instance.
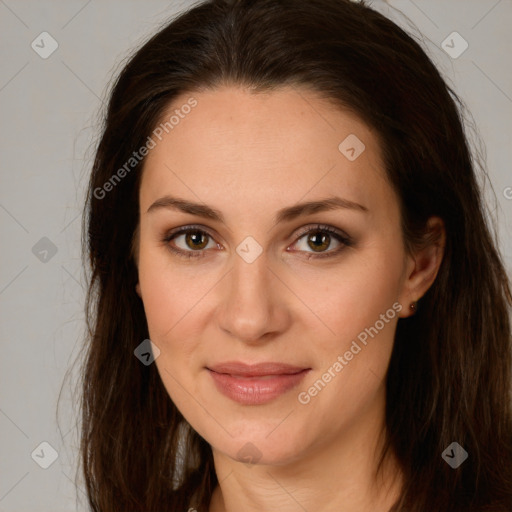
(255, 390)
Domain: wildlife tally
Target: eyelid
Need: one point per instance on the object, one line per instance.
(184, 229)
(320, 227)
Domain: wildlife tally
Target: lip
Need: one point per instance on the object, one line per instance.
(255, 370)
(255, 384)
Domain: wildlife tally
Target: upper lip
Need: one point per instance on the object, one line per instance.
(256, 370)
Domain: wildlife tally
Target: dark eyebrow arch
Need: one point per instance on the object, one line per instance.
(284, 215)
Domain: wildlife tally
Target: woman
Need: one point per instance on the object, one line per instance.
(296, 302)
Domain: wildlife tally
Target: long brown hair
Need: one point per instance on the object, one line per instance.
(449, 378)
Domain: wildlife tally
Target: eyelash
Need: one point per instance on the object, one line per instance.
(319, 228)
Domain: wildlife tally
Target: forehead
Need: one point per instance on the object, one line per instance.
(267, 148)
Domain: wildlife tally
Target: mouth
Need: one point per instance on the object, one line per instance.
(255, 384)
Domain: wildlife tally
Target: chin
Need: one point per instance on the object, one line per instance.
(259, 444)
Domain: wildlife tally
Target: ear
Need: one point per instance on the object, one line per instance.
(137, 289)
(422, 266)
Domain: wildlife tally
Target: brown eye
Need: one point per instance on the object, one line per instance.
(193, 245)
(319, 242)
(319, 238)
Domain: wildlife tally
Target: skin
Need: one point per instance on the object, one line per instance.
(249, 155)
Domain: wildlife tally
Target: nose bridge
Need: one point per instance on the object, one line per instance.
(250, 272)
(249, 285)
(249, 302)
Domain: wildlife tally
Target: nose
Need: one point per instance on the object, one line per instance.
(253, 301)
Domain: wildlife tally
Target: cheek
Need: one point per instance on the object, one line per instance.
(169, 291)
(351, 358)
(169, 296)
(176, 304)
(160, 297)
(348, 298)
(359, 310)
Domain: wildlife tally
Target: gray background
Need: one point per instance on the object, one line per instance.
(49, 111)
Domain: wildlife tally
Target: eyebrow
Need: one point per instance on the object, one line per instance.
(284, 215)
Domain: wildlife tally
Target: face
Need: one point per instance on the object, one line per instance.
(258, 279)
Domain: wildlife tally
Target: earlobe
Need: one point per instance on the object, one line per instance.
(410, 310)
(137, 289)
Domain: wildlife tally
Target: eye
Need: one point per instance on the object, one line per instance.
(195, 241)
(320, 237)
(194, 238)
